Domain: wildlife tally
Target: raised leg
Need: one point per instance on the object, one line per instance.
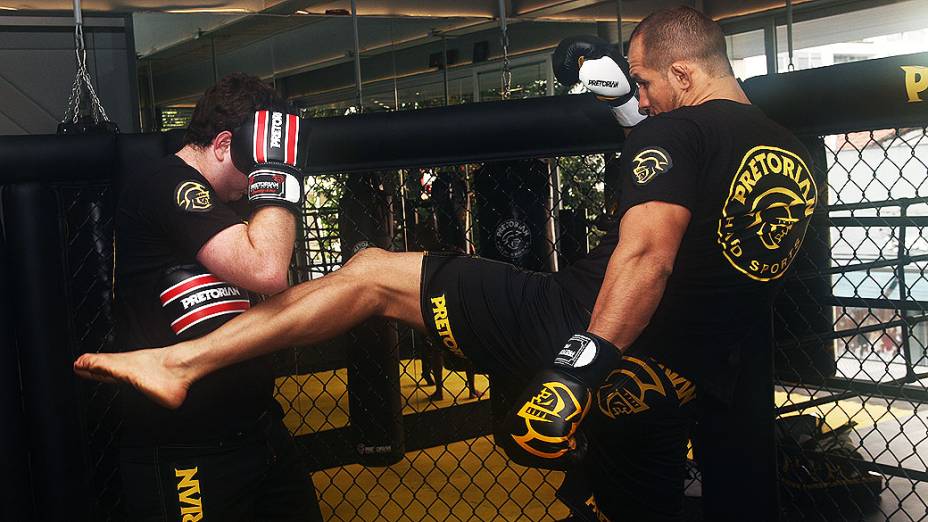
(373, 283)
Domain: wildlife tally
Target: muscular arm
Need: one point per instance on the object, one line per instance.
(255, 256)
(650, 235)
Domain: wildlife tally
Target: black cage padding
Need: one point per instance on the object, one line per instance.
(473, 132)
(850, 97)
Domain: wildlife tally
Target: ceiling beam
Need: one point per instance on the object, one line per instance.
(545, 8)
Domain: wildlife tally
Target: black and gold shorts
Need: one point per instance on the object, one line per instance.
(511, 323)
(505, 320)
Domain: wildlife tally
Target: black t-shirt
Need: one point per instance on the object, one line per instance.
(166, 212)
(747, 183)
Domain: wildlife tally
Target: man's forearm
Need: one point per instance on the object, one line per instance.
(272, 231)
(632, 289)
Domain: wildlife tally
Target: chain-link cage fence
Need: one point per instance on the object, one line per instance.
(850, 369)
(450, 467)
(849, 328)
(86, 237)
(852, 437)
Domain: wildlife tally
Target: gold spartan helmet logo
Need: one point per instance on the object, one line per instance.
(626, 390)
(193, 196)
(552, 402)
(649, 163)
(775, 213)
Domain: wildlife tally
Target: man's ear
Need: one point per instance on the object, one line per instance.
(221, 145)
(681, 73)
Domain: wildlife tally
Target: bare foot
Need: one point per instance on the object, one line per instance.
(143, 369)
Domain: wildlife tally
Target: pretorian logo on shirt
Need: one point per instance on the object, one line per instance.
(189, 495)
(443, 325)
(765, 216)
(513, 238)
(554, 401)
(649, 163)
(916, 81)
(192, 197)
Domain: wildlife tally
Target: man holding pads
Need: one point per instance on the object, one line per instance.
(715, 202)
(185, 263)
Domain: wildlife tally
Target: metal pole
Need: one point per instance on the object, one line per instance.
(151, 100)
(78, 19)
(618, 21)
(444, 66)
(357, 55)
(396, 94)
(770, 45)
(789, 32)
(212, 45)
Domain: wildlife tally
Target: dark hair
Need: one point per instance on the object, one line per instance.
(227, 104)
(683, 33)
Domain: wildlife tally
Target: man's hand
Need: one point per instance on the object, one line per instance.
(267, 149)
(542, 431)
(595, 64)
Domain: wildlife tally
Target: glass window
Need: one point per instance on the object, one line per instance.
(528, 81)
(433, 94)
(746, 53)
(890, 30)
(174, 117)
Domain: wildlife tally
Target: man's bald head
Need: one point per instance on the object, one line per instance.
(683, 33)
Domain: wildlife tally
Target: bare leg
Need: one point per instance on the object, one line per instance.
(373, 283)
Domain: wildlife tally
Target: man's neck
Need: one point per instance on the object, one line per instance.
(197, 159)
(724, 88)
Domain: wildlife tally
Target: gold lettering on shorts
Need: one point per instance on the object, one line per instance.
(189, 496)
(443, 325)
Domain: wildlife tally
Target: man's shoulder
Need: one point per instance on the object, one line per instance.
(165, 182)
(165, 171)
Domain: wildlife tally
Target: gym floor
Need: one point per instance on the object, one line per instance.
(472, 480)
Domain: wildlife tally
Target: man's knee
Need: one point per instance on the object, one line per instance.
(391, 278)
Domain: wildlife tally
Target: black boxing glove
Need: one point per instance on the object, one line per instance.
(596, 64)
(269, 148)
(567, 54)
(542, 431)
(195, 302)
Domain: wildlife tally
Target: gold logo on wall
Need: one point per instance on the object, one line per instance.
(193, 197)
(916, 81)
(766, 214)
(649, 163)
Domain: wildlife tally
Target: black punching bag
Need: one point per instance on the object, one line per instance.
(374, 402)
(512, 213)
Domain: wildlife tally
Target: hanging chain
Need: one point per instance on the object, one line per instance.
(82, 83)
(506, 80)
(507, 70)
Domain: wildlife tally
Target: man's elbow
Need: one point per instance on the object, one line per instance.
(658, 265)
(271, 280)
